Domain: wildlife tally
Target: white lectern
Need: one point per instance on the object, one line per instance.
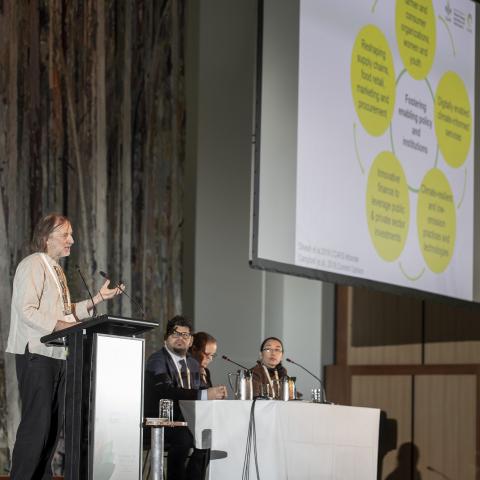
(104, 397)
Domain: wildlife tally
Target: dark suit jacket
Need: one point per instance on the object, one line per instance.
(208, 382)
(161, 381)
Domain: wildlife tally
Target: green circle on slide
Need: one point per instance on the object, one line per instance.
(453, 119)
(387, 206)
(436, 220)
(372, 77)
(416, 35)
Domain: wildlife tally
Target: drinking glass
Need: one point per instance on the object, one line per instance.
(266, 391)
(165, 408)
(317, 395)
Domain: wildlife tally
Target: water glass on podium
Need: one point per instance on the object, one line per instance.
(165, 408)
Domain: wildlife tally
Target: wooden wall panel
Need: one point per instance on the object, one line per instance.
(467, 352)
(452, 334)
(437, 344)
(337, 384)
(383, 329)
(445, 425)
(393, 395)
(379, 328)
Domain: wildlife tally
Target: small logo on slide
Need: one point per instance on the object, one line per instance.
(469, 22)
(448, 11)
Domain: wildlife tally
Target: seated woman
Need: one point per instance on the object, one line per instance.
(269, 370)
(204, 350)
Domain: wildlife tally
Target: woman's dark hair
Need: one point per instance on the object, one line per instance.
(270, 338)
(45, 226)
(177, 321)
(200, 340)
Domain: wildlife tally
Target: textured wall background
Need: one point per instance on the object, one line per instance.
(92, 124)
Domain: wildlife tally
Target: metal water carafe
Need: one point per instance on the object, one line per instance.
(285, 389)
(245, 385)
(242, 387)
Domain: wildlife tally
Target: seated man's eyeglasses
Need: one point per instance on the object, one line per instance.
(211, 356)
(273, 350)
(184, 335)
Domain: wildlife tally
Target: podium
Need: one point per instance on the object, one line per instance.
(104, 397)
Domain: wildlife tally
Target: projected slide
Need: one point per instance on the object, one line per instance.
(385, 150)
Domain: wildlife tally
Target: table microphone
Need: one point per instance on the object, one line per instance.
(231, 361)
(314, 376)
(119, 286)
(434, 470)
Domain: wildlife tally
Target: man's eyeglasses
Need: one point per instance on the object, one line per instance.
(211, 356)
(272, 350)
(184, 335)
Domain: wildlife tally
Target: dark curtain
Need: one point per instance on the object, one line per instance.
(92, 125)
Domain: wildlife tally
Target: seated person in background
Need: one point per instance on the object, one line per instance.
(204, 350)
(172, 373)
(268, 371)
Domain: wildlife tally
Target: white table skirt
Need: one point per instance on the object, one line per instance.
(295, 440)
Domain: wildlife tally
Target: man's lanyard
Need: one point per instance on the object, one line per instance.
(61, 283)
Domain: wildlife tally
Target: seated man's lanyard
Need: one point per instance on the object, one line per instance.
(189, 386)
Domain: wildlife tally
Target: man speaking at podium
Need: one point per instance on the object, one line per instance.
(173, 374)
(40, 305)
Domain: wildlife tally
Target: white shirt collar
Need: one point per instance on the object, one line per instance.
(176, 358)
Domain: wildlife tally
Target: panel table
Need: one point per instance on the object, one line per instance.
(295, 440)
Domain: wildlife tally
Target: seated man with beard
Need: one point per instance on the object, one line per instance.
(172, 373)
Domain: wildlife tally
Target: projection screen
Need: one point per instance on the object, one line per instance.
(365, 144)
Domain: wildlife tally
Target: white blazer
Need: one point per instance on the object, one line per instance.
(36, 306)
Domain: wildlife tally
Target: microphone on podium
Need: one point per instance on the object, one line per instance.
(324, 400)
(87, 289)
(119, 286)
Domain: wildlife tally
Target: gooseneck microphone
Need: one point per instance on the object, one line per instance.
(235, 363)
(314, 376)
(119, 286)
(88, 290)
(254, 374)
(438, 472)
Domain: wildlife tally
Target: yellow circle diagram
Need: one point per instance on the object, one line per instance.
(436, 220)
(416, 35)
(387, 206)
(453, 119)
(372, 76)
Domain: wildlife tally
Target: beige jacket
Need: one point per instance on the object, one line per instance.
(36, 306)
